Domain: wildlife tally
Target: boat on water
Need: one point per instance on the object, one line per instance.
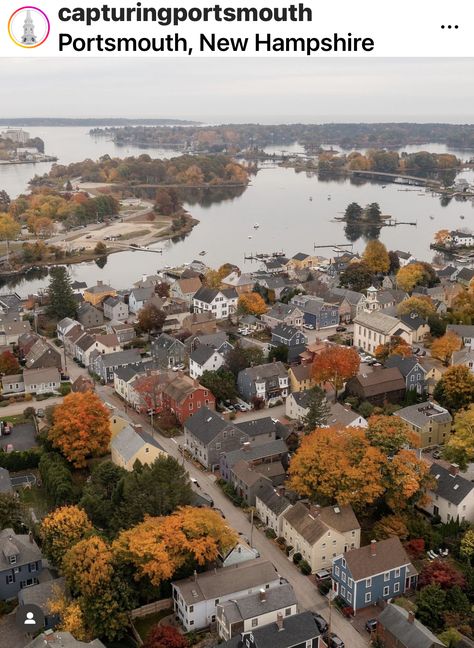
(256, 226)
(329, 197)
(249, 236)
(432, 217)
(383, 186)
(278, 254)
(202, 253)
(462, 217)
(311, 199)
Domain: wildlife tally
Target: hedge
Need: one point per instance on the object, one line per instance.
(57, 478)
(305, 567)
(20, 460)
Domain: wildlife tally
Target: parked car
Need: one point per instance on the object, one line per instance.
(436, 454)
(195, 482)
(341, 329)
(310, 327)
(178, 367)
(40, 412)
(371, 625)
(333, 641)
(322, 574)
(320, 622)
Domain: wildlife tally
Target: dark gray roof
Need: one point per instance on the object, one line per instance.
(466, 274)
(206, 425)
(62, 640)
(208, 295)
(42, 593)
(85, 342)
(409, 635)
(453, 488)
(297, 629)
(257, 452)
(248, 607)
(448, 271)
(202, 354)
(352, 296)
(272, 500)
(142, 294)
(413, 320)
(280, 311)
(284, 331)
(165, 341)
(12, 544)
(256, 427)
(300, 256)
(463, 330)
(269, 370)
(132, 356)
(404, 364)
(302, 398)
(130, 371)
(112, 301)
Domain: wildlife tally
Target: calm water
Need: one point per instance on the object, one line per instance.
(278, 199)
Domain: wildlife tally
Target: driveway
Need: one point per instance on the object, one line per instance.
(276, 412)
(306, 593)
(18, 408)
(12, 637)
(23, 436)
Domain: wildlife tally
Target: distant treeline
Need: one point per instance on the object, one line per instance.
(93, 121)
(237, 137)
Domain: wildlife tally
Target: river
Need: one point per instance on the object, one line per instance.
(294, 212)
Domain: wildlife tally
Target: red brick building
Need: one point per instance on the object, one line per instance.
(185, 396)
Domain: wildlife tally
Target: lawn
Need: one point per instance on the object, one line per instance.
(143, 625)
(35, 498)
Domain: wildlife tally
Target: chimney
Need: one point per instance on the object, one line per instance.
(262, 596)
(373, 547)
(30, 537)
(454, 469)
(100, 282)
(280, 491)
(280, 621)
(411, 617)
(246, 446)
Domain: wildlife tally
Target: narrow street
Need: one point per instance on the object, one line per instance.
(306, 593)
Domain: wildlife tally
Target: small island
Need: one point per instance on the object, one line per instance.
(17, 147)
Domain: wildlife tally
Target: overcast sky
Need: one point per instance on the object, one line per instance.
(265, 90)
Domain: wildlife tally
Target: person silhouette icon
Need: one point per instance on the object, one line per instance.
(30, 619)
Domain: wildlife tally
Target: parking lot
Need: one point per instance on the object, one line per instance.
(23, 437)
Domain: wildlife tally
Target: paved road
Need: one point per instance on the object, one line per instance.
(307, 595)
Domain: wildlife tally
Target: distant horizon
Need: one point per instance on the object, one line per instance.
(231, 119)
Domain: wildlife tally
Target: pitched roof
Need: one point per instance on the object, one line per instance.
(128, 372)
(208, 295)
(380, 380)
(131, 356)
(189, 286)
(202, 353)
(13, 544)
(180, 387)
(297, 630)
(272, 500)
(257, 427)
(166, 342)
(99, 288)
(245, 473)
(39, 349)
(42, 593)
(268, 370)
(302, 398)
(38, 376)
(463, 330)
(299, 256)
(466, 274)
(128, 442)
(413, 320)
(247, 607)
(389, 554)
(142, 294)
(252, 453)
(85, 342)
(340, 415)
(313, 524)
(377, 321)
(206, 425)
(285, 331)
(453, 488)
(409, 634)
(62, 640)
(350, 296)
(113, 301)
(301, 372)
(405, 364)
(227, 580)
(280, 311)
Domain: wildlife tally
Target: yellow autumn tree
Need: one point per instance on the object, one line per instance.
(422, 305)
(87, 565)
(441, 236)
(158, 546)
(252, 303)
(71, 617)
(376, 257)
(410, 276)
(460, 445)
(339, 465)
(391, 526)
(444, 347)
(61, 529)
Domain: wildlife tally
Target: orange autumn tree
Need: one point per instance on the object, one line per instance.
(338, 465)
(420, 304)
(252, 303)
(61, 529)
(336, 365)
(444, 347)
(158, 546)
(441, 236)
(395, 346)
(81, 428)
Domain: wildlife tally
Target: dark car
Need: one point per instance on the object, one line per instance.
(333, 641)
(321, 623)
(40, 413)
(371, 625)
(341, 329)
(437, 454)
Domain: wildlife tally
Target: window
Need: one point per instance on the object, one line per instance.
(254, 623)
(336, 570)
(12, 560)
(344, 576)
(343, 562)
(287, 611)
(343, 591)
(368, 582)
(349, 597)
(386, 576)
(216, 601)
(397, 573)
(218, 445)
(396, 587)
(10, 579)
(368, 597)
(191, 608)
(386, 590)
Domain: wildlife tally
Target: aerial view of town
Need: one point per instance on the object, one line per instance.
(236, 358)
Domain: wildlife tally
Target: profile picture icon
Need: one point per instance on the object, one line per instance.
(28, 27)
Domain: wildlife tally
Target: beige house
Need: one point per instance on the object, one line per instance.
(375, 328)
(301, 377)
(41, 381)
(130, 445)
(117, 424)
(320, 534)
(430, 422)
(96, 294)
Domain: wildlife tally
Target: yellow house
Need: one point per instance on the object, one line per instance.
(117, 424)
(130, 445)
(300, 378)
(96, 294)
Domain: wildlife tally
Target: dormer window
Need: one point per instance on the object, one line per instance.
(13, 560)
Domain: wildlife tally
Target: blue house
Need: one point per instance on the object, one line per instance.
(20, 563)
(376, 572)
(317, 313)
(411, 370)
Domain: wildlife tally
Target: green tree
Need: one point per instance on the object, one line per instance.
(430, 605)
(100, 248)
(240, 358)
(279, 353)
(12, 513)
(467, 545)
(4, 201)
(353, 212)
(101, 493)
(357, 276)
(318, 410)
(61, 296)
(221, 383)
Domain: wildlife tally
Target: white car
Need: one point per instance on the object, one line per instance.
(178, 367)
(244, 331)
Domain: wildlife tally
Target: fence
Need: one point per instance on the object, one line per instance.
(151, 608)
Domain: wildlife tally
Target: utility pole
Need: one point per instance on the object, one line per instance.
(251, 529)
